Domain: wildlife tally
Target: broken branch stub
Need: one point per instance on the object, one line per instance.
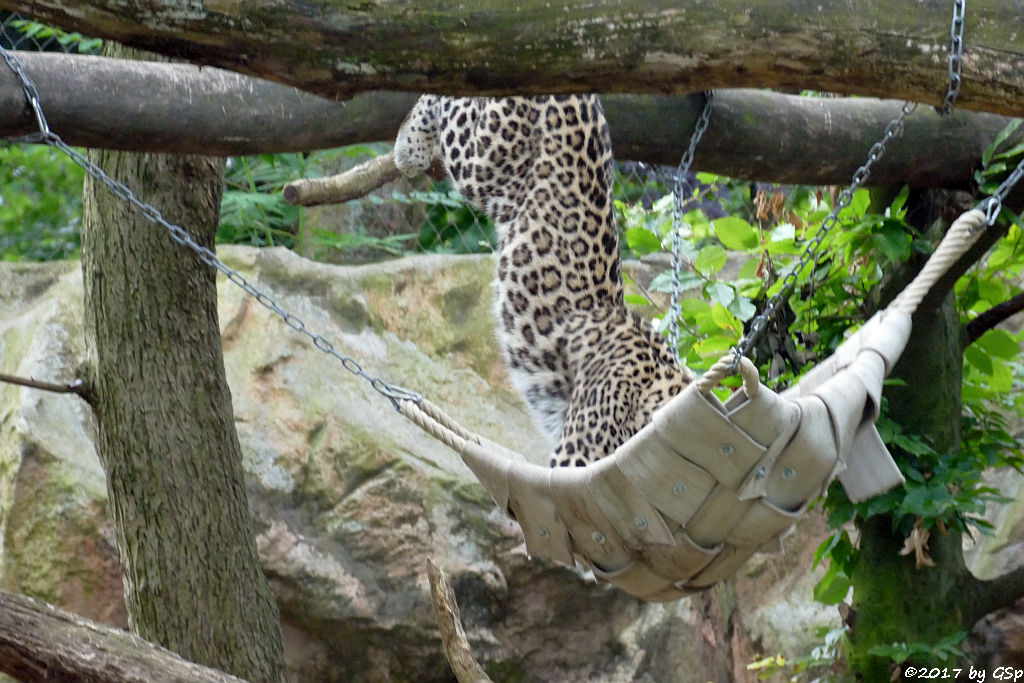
(352, 184)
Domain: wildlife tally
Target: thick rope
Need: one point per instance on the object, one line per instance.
(435, 422)
(724, 367)
(963, 233)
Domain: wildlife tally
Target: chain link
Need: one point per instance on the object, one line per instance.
(994, 204)
(394, 393)
(30, 93)
(677, 221)
(759, 323)
(956, 56)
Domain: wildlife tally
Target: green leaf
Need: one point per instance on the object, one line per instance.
(897, 652)
(892, 241)
(694, 307)
(896, 208)
(998, 342)
(720, 293)
(642, 240)
(861, 201)
(735, 233)
(1001, 137)
(833, 587)
(724, 319)
(979, 359)
(637, 300)
(710, 259)
(742, 308)
(688, 280)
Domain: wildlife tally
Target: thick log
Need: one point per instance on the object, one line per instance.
(40, 642)
(180, 108)
(892, 48)
(137, 106)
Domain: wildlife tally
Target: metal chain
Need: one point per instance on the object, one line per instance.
(677, 221)
(30, 92)
(956, 57)
(180, 235)
(760, 323)
(994, 204)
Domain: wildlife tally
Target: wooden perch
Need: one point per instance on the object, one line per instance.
(39, 642)
(814, 140)
(352, 184)
(453, 637)
(653, 46)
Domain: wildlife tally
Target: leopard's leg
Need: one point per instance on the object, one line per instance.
(416, 146)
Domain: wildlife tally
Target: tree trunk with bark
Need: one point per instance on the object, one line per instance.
(167, 439)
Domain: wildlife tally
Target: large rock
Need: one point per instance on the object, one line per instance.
(349, 499)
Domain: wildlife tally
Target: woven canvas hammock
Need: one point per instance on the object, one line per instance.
(706, 484)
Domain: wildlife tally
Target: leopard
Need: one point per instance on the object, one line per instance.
(591, 371)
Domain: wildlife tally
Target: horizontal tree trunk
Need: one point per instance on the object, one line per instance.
(40, 642)
(892, 48)
(182, 109)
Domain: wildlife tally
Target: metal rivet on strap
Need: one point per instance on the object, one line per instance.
(761, 472)
(640, 522)
(726, 449)
(679, 489)
(789, 473)
(543, 531)
(598, 537)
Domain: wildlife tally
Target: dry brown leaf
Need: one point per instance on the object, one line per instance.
(917, 543)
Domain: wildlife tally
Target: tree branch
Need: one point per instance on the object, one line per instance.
(453, 637)
(652, 46)
(1002, 591)
(352, 184)
(41, 642)
(76, 387)
(992, 317)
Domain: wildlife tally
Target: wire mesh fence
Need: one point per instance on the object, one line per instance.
(40, 199)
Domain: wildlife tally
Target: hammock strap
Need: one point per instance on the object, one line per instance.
(437, 423)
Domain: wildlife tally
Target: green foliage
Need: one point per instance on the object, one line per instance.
(945, 650)
(821, 665)
(763, 249)
(452, 226)
(42, 33)
(254, 211)
(40, 204)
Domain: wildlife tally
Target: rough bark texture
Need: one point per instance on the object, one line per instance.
(890, 48)
(166, 433)
(40, 642)
(181, 109)
(893, 600)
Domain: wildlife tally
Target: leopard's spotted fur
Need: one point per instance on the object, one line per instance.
(591, 372)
